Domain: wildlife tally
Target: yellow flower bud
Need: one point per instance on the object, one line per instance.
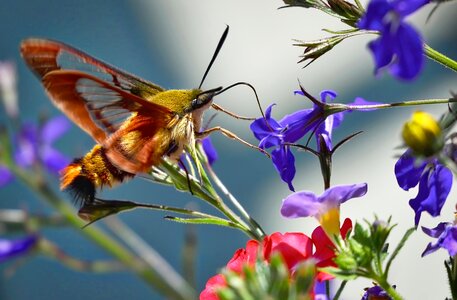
(423, 134)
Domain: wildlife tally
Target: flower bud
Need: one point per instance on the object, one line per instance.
(423, 134)
(345, 9)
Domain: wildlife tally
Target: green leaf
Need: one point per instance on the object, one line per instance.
(398, 248)
(210, 221)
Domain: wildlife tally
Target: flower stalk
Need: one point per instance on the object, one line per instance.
(440, 58)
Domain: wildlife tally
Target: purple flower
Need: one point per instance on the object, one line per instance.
(209, 149)
(434, 180)
(321, 119)
(306, 203)
(325, 129)
(11, 248)
(400, 47)
(291, 128)
(5, 176)
(446, 235)
(408, 172)
(35, 144)
(320, 291)
(325, 207)
(375, 292)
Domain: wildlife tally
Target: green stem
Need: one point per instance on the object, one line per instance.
(147, 253)
(152, 277)
(454, 278)
(440, 58)
(255, 227)
(389, 289)
(237, 220)
(395, 104)
(210, 197)
(49, 249)
(340, 290)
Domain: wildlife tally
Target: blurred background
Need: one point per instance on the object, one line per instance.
(170, 42)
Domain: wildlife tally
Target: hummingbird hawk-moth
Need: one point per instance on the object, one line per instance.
(133, 121)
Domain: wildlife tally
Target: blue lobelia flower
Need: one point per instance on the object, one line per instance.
(209, 149)
(400, 47)
(320, 290)
(290, 129)
(325, 208)
(5, 175)
(34, 144)
(11, 248)
(434, 180)
(375, 292)
(446, 235)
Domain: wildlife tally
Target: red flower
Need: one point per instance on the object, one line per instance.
(294, 247)
(325, 249)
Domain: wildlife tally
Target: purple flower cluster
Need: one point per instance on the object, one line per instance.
(400, 47)
(34, 144)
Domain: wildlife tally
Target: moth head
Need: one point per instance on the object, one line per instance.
(204, 98)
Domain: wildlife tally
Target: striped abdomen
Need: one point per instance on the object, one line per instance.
(84, 175)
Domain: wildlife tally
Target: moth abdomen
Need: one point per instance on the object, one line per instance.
(85, 175)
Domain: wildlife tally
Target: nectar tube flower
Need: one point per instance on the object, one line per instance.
(325, 208)
(399, 47)
(272, 133)
(446, 235)
(290, 129)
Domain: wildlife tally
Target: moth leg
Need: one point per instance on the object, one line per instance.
(231, 135)
(220, 108)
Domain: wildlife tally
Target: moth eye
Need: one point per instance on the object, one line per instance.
(201, 100)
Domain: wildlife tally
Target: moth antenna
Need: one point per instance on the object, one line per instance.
(218, 48)
(255, 93)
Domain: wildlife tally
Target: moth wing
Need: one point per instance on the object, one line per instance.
(45, 56)
(128, 126)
